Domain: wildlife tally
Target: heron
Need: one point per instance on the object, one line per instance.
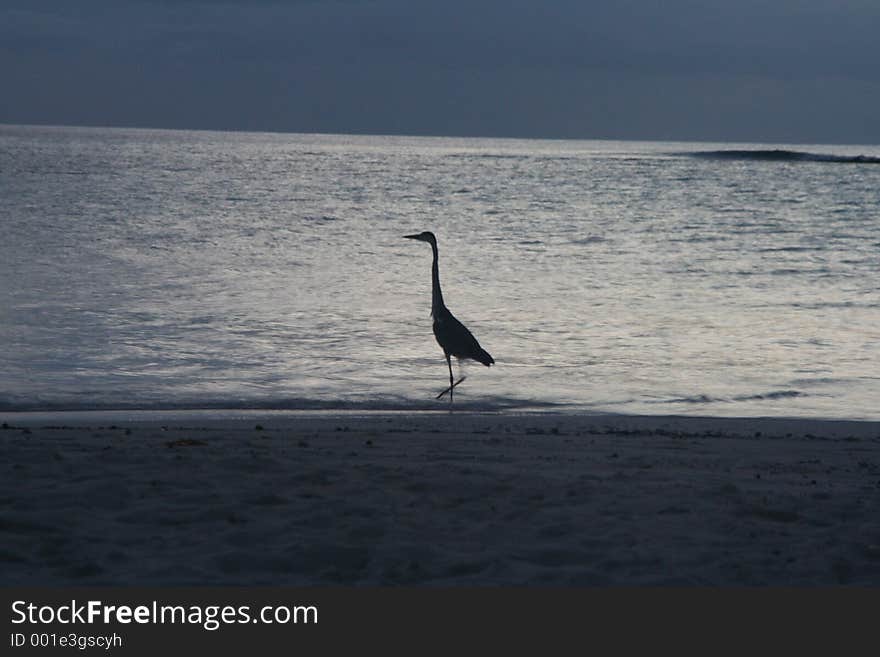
(452, 336)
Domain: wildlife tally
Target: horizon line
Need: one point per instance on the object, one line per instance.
(402, 135)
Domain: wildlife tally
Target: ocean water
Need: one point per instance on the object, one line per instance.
(172, 269)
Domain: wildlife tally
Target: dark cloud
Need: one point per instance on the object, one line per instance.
(789, 70)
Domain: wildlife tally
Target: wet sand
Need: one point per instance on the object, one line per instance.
(437, 499)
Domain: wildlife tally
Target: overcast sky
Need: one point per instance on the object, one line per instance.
(732, 70)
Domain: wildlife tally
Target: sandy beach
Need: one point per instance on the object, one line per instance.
(437, 499)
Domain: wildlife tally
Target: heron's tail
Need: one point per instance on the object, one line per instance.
(483, 357)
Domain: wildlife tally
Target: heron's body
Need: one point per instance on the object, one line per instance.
(452, 336)
(456, 340)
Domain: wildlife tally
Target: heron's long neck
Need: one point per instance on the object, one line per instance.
(436, 294)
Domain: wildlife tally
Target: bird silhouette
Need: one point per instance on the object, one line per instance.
(452, 336)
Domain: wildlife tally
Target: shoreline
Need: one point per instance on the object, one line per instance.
(437, 499)
(685, 423)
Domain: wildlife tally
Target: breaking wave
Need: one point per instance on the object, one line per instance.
(782, 155)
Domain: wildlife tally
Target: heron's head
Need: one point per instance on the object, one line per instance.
(427, 236)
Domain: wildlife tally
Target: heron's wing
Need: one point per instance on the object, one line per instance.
(457, 340)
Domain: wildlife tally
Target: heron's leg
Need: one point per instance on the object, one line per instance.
(451, 384)
(448, 389)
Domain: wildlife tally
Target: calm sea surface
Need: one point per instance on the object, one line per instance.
(160, 269)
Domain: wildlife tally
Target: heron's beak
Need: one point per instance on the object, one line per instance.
(412, 237)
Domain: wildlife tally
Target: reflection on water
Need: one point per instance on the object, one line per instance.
(150, 268)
